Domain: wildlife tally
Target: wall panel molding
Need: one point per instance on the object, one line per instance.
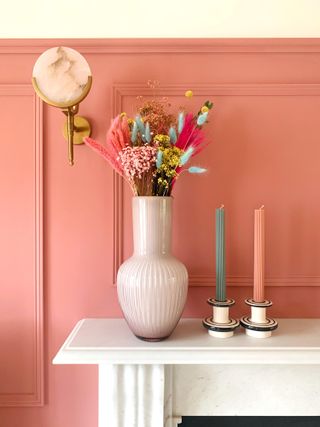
(210, 90)
(36, 396)
(160, 45)
(243, 281)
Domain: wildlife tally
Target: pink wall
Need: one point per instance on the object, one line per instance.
(265, 131)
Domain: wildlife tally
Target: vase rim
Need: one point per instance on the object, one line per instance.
(152, 197)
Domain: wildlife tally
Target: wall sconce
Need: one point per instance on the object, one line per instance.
(62, 78)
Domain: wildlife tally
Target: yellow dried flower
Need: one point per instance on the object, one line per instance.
(130, 122)
(162, 140)
(188, 94)
(170, 161)
(163, 182)
(123, 114)
(204, 109)
(171, 156)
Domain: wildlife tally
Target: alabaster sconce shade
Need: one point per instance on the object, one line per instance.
(62, 78)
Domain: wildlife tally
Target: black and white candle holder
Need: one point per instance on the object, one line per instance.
(220, 325)
(258, 325)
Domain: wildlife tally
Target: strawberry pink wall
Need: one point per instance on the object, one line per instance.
(64, 230)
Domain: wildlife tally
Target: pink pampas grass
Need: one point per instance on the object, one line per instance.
(118, 138)
(191, 136)
(100, 149)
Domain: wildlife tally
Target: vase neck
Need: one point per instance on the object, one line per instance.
(152, 225)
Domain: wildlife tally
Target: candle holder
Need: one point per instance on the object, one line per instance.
(258, 325)
(220, 325)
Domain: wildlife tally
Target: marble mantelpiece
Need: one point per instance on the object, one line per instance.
(143, 384)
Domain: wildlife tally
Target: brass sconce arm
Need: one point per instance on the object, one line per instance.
(75, 129)
(70, 112)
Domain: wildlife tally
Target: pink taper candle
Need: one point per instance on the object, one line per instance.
(258, 280)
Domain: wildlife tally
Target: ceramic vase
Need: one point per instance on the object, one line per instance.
(152, 285)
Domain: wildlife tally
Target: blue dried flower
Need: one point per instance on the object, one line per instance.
(202, 118)
(134, 132)
(196, 169)
(180, 122)
(173, 135)
(140, 125)
(186, 156)
(147, 133)
(159, 159)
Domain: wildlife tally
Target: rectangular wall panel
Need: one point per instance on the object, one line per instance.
(261, 139)
(21, 323)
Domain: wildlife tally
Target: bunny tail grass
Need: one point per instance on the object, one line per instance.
(196, 169)
(140, 125)
(134, 132)
(147, 133)
(173, 135)
(202, 118)
(159, 159)
(180, 122)
(186, 156)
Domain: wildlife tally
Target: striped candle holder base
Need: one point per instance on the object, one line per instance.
(258, 325)
(220, 325)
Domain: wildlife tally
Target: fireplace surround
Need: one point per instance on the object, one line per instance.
(192, 374)
(250, 421)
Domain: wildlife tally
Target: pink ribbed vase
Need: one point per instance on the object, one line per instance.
(152, 284)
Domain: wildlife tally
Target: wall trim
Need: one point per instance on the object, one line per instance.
(166, 45)
(243, 281)
(37, 397)
(133, 89)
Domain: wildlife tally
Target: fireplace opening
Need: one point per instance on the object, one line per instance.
(250, 422)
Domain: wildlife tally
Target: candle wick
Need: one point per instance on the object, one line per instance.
(262, 207)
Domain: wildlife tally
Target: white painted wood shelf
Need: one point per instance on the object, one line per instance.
(95, 341)
(145, 384)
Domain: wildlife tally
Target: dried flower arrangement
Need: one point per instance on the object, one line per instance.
(152, 150)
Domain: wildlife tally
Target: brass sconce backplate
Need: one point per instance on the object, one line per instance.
(82, 128)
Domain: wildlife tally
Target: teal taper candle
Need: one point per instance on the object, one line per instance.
(220, 256)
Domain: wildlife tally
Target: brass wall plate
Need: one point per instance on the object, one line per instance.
(82, 128)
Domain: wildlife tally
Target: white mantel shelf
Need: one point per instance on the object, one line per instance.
(95, 341)
(145, 384)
